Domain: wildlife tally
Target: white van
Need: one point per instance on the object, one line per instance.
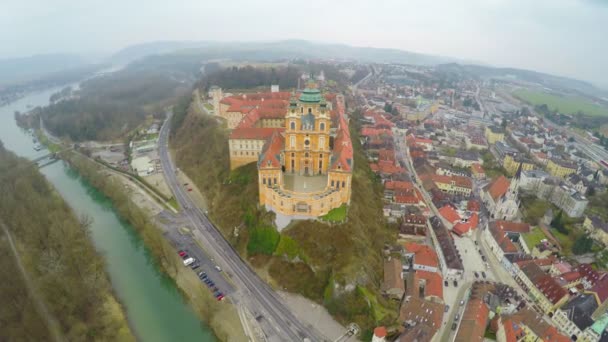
(188, 261)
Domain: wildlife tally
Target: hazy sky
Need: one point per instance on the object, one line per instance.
(565, 37)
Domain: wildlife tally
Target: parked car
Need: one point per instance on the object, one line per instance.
(454, 326)
(445, 282)
(189, 189)
(455, 283)
(483, 274)
(476, 274)
(185, 184)
(476, 243)
(462, 302)
(220, 297)
(447, 308)
(457, 317)
(195, 266)
(483, 257)
(219, 269)
(188, 261)
(201, 274)
(182, 253)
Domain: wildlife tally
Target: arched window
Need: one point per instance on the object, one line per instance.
(292, 125)
(309, 110)
(322, 126)
(293, 141)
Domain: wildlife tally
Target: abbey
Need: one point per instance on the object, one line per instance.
(302, 146)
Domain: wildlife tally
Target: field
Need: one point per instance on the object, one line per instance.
(563, 104)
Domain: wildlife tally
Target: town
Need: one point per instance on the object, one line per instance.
(497, 234)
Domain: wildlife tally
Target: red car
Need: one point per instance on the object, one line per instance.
(182, 253)
(189, 189)
(220, 297)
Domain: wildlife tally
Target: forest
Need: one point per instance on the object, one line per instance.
(110, 106)
(62, 291)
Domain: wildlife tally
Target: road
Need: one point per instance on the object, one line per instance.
(275, 319)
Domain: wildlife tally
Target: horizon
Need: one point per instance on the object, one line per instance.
(500, 33)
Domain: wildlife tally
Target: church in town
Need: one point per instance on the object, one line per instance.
(301, 144)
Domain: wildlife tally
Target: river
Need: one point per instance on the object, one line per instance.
(155, 309)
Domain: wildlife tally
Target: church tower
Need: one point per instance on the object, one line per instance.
(307, 125)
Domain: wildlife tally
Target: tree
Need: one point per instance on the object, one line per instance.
(503, 124)
(582, 245)
(558, 223)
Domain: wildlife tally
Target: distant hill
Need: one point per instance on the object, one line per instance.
(20, 70)
(286, 49)
(550, 81)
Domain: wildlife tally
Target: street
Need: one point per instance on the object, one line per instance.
(275, 319)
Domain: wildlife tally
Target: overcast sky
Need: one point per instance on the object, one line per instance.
(564, 37)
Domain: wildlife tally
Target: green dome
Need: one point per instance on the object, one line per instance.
(311, 95)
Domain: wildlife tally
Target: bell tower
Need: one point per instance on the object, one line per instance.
(307, 125)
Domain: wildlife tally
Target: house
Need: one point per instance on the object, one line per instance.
(597, 227)
(575, 316)
(527, 325)
(449, 213)
(465, 228)
(503, 237)
(393, 285)
(413, 225)
(416, 312)
(512, 162)
(422, 257)
(545, 291)
(560, 168)
(494, 134)
(477, 171)
(453, 184)
(466, 158)
(531, 179)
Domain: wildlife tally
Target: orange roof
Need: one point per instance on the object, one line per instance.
(423, 254)
(474, 321)
(498, 188)
(473, 205)
(476, 168)
(516, 227)
(253, 133)
(463, 182)
(380, 332)
(462, 228)
(342, 156)
(433, 283)
(449, 213)
(371, 131)
(402, 185)
(271, 152)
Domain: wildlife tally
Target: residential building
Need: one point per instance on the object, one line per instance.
(574, 318)
(422, 257)
(512, 162)
(494, 134)
(393, 285)
(598, 228)
(545, 291)
(477, 171)
(531, 179)
(560, 168)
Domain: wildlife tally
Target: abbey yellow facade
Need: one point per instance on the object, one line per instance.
(304, 166)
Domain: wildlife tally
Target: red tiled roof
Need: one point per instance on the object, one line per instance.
(476, 168)
(342, 155)
(473, 205)
(601, 289)
(571, 276)
(433, 283)
(551, 289)
(271, 152)
(462, 228)
(474, 322)
(380, 332)
(423, 254)
(460, 181)
(402, 185)
(371, 131)
(449, 213)
(498, 187)
(515, 227)
(253, 133)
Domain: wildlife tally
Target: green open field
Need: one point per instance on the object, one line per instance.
(563, 104)
(534, 237)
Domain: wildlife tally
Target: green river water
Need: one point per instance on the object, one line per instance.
(155, 309)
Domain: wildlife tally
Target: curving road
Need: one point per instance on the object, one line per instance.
(275, 319)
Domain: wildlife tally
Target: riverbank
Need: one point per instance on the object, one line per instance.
(221, 317)
(68, 295)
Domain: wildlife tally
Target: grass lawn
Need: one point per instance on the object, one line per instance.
(173, 202)
(378, 311)
(335, 215)
(563, 104)
(534, 237)
(565, 240)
